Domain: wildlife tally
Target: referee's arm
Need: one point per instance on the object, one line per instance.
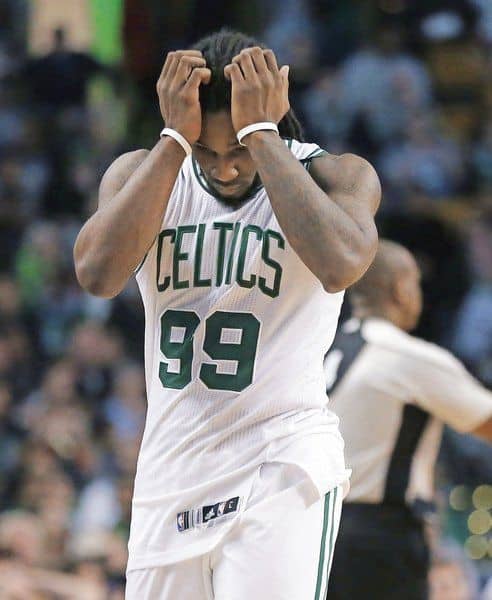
(449, 392)
(484, 431)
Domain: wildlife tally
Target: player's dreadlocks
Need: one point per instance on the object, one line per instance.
(219, 49)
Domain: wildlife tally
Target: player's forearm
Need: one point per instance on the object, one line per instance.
(115, 239)
(329, 242)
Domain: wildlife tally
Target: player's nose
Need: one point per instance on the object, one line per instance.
(224, 171)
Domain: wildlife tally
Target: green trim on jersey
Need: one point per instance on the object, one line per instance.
(254, 187)
(314, 154)
(141, 264)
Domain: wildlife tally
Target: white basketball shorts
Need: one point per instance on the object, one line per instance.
(281, 548)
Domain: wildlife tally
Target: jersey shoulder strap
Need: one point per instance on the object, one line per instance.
(304, 151)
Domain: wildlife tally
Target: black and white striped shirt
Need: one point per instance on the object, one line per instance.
(393, 393)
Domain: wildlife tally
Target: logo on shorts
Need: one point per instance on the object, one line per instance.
(205, 514)
(213, 511)
(208, 513)
(183, 520)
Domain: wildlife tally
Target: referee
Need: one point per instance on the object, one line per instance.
(392, 393)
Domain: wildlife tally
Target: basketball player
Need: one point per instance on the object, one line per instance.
(392, 393)
(243, 238)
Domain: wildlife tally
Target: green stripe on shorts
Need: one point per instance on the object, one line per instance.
(330, 547)
(321, 561)
(328, 523)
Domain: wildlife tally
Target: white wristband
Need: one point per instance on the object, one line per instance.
(242, 133)
(183, 142)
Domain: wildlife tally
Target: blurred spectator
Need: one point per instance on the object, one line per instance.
(440, 255)
(484, 25)
(452, 576)
(13, 121)
(22, 536)
(437, 19)
(125, 410)
(473, 336)
(94, 351)
(423, 161)
(59, 79)
(13, 210)
(481, 157)
(127, 317)
(385, 85)
(326, 113)
(12, 437)
(292, 32)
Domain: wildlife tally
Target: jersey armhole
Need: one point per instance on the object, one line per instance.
(306, 162)
(141, 264)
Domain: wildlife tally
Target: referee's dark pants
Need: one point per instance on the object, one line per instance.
(380, 554)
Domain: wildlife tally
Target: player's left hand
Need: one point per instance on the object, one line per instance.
(260, 90)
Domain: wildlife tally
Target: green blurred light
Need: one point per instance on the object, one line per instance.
(479, 522)
(482, 497)
(459, 497)
(476, 547)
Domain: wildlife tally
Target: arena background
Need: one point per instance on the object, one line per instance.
(406, 84)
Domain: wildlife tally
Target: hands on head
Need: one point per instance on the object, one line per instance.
(259, 89)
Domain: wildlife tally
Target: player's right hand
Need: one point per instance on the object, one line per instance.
(183, 73)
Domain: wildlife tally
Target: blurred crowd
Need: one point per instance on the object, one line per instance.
(410, 89)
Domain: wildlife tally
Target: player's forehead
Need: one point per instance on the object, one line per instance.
(218, 132)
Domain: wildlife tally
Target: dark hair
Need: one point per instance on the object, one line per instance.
(219, 49)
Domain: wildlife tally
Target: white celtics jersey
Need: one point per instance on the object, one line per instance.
(236, 331)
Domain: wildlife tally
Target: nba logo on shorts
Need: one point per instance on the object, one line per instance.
(182, 521)
(221, 508)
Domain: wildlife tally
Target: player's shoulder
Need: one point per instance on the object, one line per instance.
(387, 336)
(126, 163)
(323, 161)
(345, 171)
(118, 173)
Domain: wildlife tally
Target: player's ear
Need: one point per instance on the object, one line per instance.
(399, 291)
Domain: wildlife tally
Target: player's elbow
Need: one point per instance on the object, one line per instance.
(352, 262)
(94, 281)
(337, 282)
(92, 274)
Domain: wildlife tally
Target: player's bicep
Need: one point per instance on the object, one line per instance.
(351, 182)
(118, 174)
